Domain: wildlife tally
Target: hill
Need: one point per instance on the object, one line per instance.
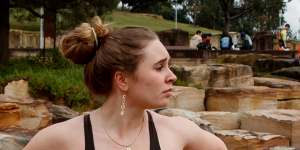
(154, 22)
(120, 19)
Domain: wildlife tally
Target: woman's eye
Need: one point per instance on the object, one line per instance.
(159, 68)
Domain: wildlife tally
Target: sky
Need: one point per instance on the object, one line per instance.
(292, 15)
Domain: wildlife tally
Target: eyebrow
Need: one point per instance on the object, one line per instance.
(161, 61)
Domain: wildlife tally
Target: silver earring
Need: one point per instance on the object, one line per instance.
(123, 105)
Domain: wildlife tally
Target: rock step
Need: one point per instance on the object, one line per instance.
(215, 75)
(247, 140)
(282, 122)
(248, 98)
(189, 98)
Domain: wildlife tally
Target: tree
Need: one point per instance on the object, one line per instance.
(4, 30)
(164, 8)
(244, 14)
(80, 10)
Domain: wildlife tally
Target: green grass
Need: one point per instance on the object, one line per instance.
(120, 19)
(154, 22)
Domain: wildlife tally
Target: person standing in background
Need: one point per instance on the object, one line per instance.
(225, 41)
(196, 39)
(283, 37)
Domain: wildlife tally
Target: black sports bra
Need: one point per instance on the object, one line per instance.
(89, 140)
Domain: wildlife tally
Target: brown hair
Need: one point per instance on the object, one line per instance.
(117, 50)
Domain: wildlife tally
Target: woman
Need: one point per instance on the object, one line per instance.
(130, 68)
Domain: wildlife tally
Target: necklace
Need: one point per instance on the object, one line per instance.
(126, 146)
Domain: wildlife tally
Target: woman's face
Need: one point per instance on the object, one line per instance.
(151, 84)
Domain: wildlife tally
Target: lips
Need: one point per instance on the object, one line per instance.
(167, 91)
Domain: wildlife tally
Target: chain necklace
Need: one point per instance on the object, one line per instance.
(126, 146)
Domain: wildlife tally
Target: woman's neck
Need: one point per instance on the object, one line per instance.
(112, 120)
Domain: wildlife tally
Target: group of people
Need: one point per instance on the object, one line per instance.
(243, 41)
(201, 41)
(226, 43)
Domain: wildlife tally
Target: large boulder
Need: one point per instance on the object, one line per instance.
(61, 113)
(285, 103)
(188, 98)
(215, 75)
(282, 122)
(247, 98)
(291, 72)
(246, 59)
(12, 142)
(275, 83)
(240, 99)
(289, 104)
(272, 64)
(10, 115)
(19, 110)
(193, 116)
(248, 140)
(17, 89)
(222, 120)
(25, 114)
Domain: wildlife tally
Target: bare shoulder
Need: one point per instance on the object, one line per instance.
(194, 137)
(55, 136)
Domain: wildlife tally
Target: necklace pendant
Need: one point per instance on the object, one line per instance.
(128, 148)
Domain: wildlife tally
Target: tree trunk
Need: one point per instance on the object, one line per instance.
(227, 22)
(4, 30)
(50, 25)
(225, 5)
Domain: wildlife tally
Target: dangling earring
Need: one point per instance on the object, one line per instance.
(123, 105)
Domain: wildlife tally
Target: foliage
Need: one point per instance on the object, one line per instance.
(165, 8)
(55, 79)
(70, 12)
(245, 15)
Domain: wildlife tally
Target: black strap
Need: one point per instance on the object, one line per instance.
(89, 140)
(154, 142)
(88, 133)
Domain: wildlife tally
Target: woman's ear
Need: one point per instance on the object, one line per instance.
(121, 80)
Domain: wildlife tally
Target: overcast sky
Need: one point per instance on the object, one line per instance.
(292, 15)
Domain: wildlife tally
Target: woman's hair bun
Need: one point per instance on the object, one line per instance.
(79, 44)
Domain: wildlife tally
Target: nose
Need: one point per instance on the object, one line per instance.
(171, 78)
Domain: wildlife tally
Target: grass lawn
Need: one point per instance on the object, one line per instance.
(120, 19)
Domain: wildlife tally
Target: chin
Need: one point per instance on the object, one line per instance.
(159, 104)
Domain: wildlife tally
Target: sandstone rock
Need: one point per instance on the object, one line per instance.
(10, 115)
(247, 98)
(246, 140)
(222, 120)
(12, 142)
(246, 59)
(24, 114)
(17, 89)
(35, 116)
(282, 148)
(189, 115)
(61, 113)
(291, 72)
(240, 99)
(215, 75)
(188, 98)
(289, 104)
(275, 83)
(282, 122)
(272, 64)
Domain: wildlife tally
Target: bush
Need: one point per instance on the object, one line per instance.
(52, 77)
